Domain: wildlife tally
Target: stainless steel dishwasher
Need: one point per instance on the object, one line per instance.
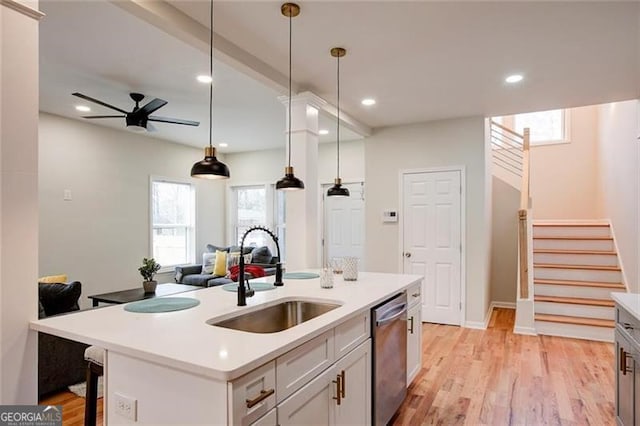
(389, 325)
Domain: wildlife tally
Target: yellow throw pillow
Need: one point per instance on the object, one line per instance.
(53, 279)
(220, 267)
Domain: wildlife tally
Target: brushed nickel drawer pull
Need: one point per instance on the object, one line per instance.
(264, 394)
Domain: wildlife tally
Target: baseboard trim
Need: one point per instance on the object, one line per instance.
(475, 324)
(482, 325)
(505, 305)
(529, 331)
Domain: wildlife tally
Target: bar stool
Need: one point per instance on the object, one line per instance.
(94, 356)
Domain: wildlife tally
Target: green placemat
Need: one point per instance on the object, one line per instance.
(301, 275)
(162, 304)
(254, 286)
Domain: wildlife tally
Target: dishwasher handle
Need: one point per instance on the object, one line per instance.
(391, 314)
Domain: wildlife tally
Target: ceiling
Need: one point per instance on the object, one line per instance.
(420, 60)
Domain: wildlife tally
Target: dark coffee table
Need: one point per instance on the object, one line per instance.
(135, 294)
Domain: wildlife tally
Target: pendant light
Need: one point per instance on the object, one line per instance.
(210, 167)
(337, 190)
(289, 182)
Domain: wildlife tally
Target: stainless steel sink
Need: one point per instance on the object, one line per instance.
(276, 318)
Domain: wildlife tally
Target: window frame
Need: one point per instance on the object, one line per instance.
(510, 122)
(271, 217)
(190, 229)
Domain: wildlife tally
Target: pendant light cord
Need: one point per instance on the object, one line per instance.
(211, 75)
(290, 29)
(338, 120)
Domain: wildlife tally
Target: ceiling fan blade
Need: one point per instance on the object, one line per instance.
(152, 106)
(174, 121)
(103, 116)
(90, 99)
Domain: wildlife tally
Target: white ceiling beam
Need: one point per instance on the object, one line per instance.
(176, 23)
(348, 121)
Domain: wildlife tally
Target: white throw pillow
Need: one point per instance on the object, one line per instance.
(208, 262)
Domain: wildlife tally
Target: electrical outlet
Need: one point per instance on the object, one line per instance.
(67, 195)
(125, 406)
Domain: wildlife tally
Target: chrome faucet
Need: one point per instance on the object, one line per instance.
(244, 292)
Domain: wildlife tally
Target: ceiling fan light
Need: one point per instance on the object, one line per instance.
(210, 167)
(289, 182)
(337, 190)
(136, 128)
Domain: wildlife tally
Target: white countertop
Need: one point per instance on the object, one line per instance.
(185, 341)
(629, 301)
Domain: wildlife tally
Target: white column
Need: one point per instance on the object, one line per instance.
(303, 215)
(18, 201)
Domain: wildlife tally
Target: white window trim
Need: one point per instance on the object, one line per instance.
(191, 235)
(509, 121)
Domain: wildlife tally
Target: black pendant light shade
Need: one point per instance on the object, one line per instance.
(337, 190)
(210, 167)
(289, 182)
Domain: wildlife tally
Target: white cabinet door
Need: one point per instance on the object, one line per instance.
(414, 342)
(313, 404)
(354, 371)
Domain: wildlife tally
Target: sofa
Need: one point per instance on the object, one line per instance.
(60, 361)
(193, 274)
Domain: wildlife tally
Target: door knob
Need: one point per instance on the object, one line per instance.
(407, 254)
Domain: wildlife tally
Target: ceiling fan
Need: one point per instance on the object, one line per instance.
(138, 119)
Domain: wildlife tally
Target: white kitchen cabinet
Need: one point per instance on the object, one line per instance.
(627, 339)
(269, 419)
(253, 394)
(354, 371)
(414, 334)
(339, 396)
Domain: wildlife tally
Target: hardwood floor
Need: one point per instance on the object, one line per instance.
(489, 377)
(495, 377)
(72, 408)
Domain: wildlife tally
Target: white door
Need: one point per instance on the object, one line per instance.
(432, 241)
(344, 224)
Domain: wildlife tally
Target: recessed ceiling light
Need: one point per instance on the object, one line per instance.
(514, 78)
(204, 79)
(83, 108)
(368, 102)
(223, 145)
(323, 132)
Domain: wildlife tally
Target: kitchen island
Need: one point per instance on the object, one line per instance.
(178, 369)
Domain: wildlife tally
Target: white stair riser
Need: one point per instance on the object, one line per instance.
(574, 291)
(600, 245)
(578, 275)
(603, 334)
(573, 310)
(571, 231)
(576, 259)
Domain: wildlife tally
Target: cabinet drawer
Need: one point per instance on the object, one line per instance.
(629, 323)
(253, 394)
(414, 294)
(351, 333)
(297, 367)
(269, 419)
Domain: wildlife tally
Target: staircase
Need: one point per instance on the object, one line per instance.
(575, 268)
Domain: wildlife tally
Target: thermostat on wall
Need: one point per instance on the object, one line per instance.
(389, 216)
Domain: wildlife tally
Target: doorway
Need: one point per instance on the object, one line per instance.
(344, 224)
(432, 224)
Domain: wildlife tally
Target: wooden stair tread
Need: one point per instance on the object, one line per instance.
(573, 224)
(574, 238)
(597, 322)
(579, 283)
(589, 267)
(575, 301)
(562, 251)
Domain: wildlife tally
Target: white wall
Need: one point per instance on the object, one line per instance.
(618, 184)
(433, 144)
(18, 205)
(505, 202)
(100, 237)
(564, 176)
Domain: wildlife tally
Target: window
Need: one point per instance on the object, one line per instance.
(546, 127)
(172, 222)
(258, 205)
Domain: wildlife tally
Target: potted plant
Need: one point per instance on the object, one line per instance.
(148, 270)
